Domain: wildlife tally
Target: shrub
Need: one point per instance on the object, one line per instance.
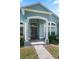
(21, 41)
(53, 39)
(21, 34)
(57, 39)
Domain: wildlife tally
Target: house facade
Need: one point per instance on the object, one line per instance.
(37, 22)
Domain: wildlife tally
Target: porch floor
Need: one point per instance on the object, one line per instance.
(37, 42)
(34, 42)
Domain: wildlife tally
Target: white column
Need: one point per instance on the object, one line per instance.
(46, 40)
(44, 30)
(56, 29)
(50, 30)
(26, 31)
(40, 32)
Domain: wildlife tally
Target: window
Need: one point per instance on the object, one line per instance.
(49, 24)
(48, 30)
(21, 23)
(48, 33)
(53, 33)
(53, 30)
(21, 28)
(21, 31)
(52, 24)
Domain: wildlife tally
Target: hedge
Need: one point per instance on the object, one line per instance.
(21, 41)
(53, 39)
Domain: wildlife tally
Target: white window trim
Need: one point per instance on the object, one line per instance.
(37, 17)
(50, 26)
(51, 23)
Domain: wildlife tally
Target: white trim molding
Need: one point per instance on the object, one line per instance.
(46, 24)
(36, 11)
(22, 21)
(37, 17)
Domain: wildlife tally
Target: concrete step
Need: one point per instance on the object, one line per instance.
(37, 43)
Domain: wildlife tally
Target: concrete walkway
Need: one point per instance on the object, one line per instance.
(42, 52)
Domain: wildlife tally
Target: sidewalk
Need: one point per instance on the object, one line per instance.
(42, 52)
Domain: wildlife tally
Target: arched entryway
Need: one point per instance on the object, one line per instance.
(36, 28)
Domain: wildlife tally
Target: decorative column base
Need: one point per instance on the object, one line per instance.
(26, 43)
(47, 41)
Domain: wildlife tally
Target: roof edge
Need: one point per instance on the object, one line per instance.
(42, 5)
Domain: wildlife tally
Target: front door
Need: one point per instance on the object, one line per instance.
(34, 31)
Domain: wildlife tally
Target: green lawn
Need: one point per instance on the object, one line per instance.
(28, 53)
(54, 50)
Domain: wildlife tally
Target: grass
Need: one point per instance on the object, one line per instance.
(28, 53)
(54, 50)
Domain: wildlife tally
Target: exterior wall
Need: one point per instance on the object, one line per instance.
(38, 7)
(49, 18)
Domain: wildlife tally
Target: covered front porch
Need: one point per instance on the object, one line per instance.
(36, 29)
